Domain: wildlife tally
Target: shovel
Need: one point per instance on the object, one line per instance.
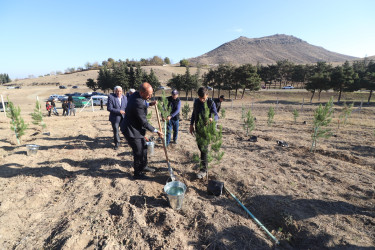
(170, 170)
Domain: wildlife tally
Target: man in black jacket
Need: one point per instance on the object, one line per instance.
(218, 102)
(134, 128)
(198, 113)
(173, 119)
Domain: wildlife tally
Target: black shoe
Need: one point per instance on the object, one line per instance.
(148, 169)
(140, 177)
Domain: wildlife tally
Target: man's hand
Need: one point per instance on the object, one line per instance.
(153, 103)
(122, 112)
(211, 119)
(169, 118)
(191, 129)
(160, 134)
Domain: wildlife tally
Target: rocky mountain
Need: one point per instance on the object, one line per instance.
(268, 50)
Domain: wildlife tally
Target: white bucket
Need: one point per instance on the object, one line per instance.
(175, 191)
(150, 148)
(32, 149)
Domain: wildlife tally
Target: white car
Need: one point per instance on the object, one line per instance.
(288, 87)
(96, 99)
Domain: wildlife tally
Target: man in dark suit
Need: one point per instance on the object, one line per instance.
(134, 128)
(116, 106)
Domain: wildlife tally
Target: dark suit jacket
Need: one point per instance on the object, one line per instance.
(135, 123)
(113, 106)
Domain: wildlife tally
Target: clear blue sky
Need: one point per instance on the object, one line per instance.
(40, 36)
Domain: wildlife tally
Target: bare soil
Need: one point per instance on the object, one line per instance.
(78, 193)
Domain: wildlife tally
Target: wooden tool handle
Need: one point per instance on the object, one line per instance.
(160, 129)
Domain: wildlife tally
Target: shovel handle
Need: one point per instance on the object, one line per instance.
(160, 129)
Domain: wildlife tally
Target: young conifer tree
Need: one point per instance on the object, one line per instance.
(249, 123)
(165, 111)
(295, 115)
(270, 114)
(185, 111)
(208, 137)
(18, 125)
(37, 116)
(345, 114)
(222, 115)
(322, 118)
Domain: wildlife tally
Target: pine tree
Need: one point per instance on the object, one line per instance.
(208, 137)
(165, 111)
(185, 111)
(322, 118)
(295, 115)
(345, 114)
(249, 123)
(37, 116)
(222, 113)
(270, 114)
(18, 124)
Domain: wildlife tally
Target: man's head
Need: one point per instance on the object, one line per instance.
(174, 94)
(145, 91)
(202, 94)
(118, 91)
(131, 91)
(221, 98)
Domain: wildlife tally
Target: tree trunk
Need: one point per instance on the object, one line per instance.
(369, 97)
(191, 94)
(229, 93)
(312, 96)
(235, 97)
(243, 93)
(213, 93)
(320, 91)
(339, 96)
(187, 93)
(218, 93)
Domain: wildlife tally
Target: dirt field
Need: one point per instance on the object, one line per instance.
(78, 193)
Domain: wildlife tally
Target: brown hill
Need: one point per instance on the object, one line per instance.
(268, 50)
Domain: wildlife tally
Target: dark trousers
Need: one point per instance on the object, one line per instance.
(172, 125)
(204, 158)
(139, 148)
(116, 131)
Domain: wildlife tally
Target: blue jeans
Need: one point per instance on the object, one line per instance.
(172, 125)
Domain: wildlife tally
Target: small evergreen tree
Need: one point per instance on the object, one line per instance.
(165, 111)
(185, 111)
(208, 137)
(18, 125)
(222, 115)
(322, 118)
(37, 116)
(270, 114)
(345, 114)
(249, 123)
(295, 115)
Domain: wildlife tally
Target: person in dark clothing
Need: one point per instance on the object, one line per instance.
(101, 104)
(173, 119)
(218, 102)
(198, 113)
(65, 108)
(134, 128)
(48, 107)
(116, 106)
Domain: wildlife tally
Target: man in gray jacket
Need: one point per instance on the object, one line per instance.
(116, 106)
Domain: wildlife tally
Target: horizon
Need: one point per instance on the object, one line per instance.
(48, 36)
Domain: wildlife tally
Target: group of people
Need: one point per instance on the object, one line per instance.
(67, 106)
(128, 115)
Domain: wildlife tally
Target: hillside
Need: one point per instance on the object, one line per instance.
(268, 50)
(164, 73)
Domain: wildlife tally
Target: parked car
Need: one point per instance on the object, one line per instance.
(1, 106)
(288, 87)
(96, 99)
(87, 95)
(62, 87)
(79, 101)
(53, 97)
(75, 87)
(209, 88)
(62, 98)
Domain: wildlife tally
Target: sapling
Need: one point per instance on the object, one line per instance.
(322, 118)
(345, 114)
(208, 137)
(270, 114)
(249, 123)
(18, 125)
(165, 111)
(185, 111)
(295, 115)
(37, 116)
(222, 111)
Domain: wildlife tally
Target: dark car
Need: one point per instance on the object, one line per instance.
(75, 87)
(62, 87)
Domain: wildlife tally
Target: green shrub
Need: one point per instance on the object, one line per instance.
(322, 118)
(18, 125)
(185, 111)
(270, 114)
